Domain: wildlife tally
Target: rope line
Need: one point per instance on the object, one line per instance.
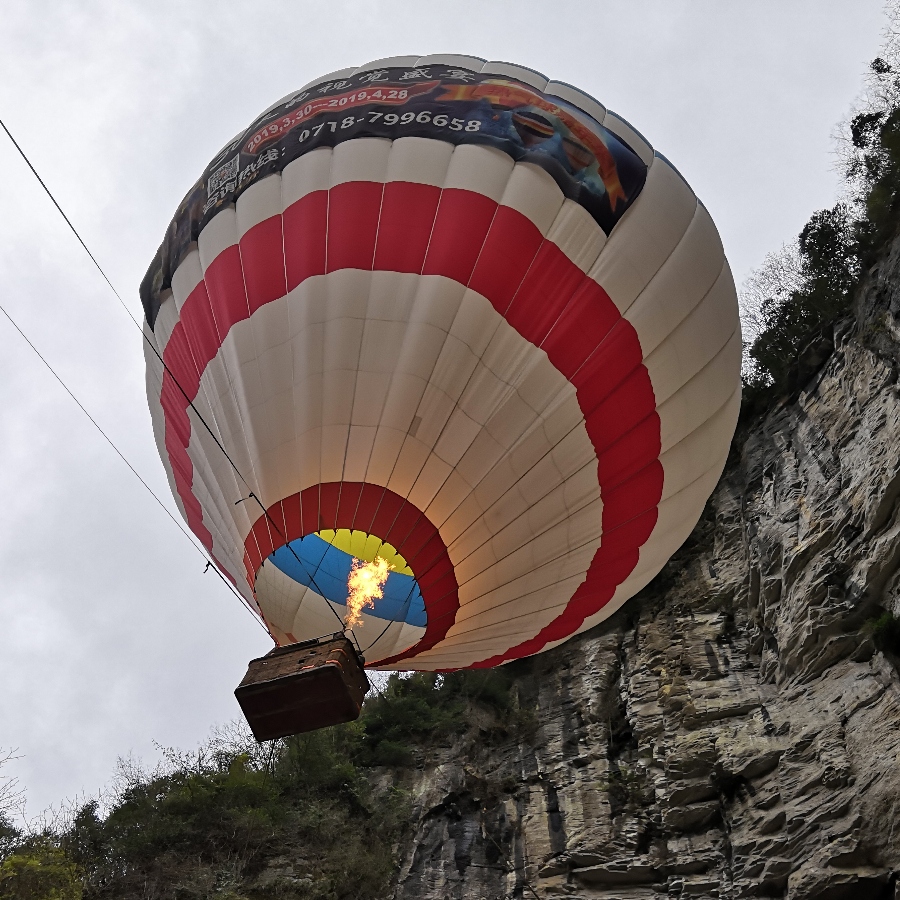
(106, 437)
(152, 345)
(156, 353)
(68, 222)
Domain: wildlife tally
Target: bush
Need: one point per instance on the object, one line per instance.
(873, 156)
(885, 631)
(428, 708)
(408, 709)
(209, 823)
(826, 270)
(9, 836)
(39, 871)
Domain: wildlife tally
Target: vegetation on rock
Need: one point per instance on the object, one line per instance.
(316, 816)
(803, 288)
(40, 870)
(885, 632)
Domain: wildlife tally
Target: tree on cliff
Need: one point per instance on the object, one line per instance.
(810, 283)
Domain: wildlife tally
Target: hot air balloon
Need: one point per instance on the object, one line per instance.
(452, 315)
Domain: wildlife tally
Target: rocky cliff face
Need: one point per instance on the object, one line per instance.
(733, 731)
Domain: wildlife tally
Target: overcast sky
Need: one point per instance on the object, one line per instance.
(111, 637)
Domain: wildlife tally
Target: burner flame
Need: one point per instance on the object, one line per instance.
(365, 585)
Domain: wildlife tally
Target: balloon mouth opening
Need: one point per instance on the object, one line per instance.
(366, 582)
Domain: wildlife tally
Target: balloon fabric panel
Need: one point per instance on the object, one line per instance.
(535, 273)
(435, 345)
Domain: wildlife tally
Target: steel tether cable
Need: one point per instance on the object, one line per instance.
(137, 324)
(158, 355)
(74, 230)
(122, 456)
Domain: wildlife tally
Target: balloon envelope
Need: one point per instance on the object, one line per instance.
(451, 314)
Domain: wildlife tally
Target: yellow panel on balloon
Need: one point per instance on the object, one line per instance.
(365, 547)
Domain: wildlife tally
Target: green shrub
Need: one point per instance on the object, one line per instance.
(828, 265)
(873, 161)
(390, 753)
(624, 785)
(428, 708)
(406, 711)
(39, 871)
(885, 632)
(9, 836)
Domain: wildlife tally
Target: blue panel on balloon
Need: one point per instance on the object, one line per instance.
(325, 568)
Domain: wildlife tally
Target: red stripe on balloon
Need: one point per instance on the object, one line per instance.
(509, 249)
(629, 499)
(404, 230)
(500, 253)
(262, 258)
(309, 505)
(406, 521)
(462, 223)
(227, 297)
(348, 503)
(631, 453)
(583, 324)
(305, 236)
(278, 524)
(329, 494)
(179, 359)
(607, 368)
(252, 550)
(551, 275)
(621, 411)
(293, 519)
(261, 534)
(200, 325)
(369, 503)
(353, 210)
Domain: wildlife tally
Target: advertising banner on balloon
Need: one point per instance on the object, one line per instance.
(589, 163)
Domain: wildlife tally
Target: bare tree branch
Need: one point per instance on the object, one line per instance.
(12, 795)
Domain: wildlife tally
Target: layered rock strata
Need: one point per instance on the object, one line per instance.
(733, 731)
